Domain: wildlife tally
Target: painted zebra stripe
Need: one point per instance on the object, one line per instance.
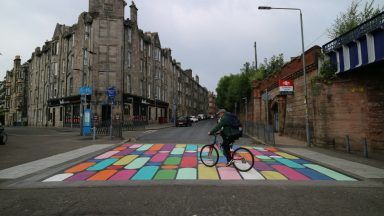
(146, 173)
(187, 173)
(330, 173)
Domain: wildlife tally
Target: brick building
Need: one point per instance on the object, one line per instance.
(104, 50)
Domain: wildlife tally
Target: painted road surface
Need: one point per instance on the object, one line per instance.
(139, 162)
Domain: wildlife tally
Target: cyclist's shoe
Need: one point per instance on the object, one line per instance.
(229, 163)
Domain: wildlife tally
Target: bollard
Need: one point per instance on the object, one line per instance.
(94, 133)
(348, 145)
(334, 143)
(365, 146)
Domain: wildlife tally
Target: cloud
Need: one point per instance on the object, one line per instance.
(212, 37)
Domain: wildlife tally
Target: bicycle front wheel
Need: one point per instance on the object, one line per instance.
(243, 159)
(209, 155)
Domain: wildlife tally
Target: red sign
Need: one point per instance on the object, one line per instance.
(286, 87)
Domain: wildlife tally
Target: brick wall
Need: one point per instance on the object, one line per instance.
(290, 109)
(353, 106)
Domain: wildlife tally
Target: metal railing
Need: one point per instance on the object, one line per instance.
(103, 128)
(134, 125)
(260, 131)
(368, 26)
(351, 145)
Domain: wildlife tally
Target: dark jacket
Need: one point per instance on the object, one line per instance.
(224, 123)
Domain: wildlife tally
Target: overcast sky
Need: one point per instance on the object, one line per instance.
(212, 37)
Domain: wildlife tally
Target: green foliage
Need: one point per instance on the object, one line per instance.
(326, 76)
(352, 18)
(233, 88)
(271, 66)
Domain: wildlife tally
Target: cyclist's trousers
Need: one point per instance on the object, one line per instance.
(227, 148)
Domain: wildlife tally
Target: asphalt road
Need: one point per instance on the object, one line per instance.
(177, 197)
(29, 144)
(197, 133)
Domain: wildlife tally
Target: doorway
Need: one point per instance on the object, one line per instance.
(105, 113)
(275, 115)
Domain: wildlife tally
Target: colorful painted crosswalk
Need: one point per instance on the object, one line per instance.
(143, 162)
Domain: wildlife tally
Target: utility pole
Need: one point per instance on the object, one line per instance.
(255, 56)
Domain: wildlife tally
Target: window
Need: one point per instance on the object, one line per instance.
(149, 90)
(149, 50)
(103, 28)
(157, 53)
(70, 85)
(103, 53)
(87, 32)
(142, 66)
(129, 35)
(129, 83)
(55, 48)
(72, 62)
(56, 68)
(149, 70)
(85, 59)
(141, 44)
(129, 59)
(112, 54)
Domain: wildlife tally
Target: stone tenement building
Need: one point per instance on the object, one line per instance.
(212, 108)
(15, 104)
(106, 50)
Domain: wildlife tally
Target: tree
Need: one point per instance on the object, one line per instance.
(274, 64)
(352, 18)
(231, 89)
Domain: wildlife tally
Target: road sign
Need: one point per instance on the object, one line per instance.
(111, 91)
(85, 90)
(286, 87)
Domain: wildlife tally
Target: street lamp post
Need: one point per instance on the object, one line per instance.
(304, 69)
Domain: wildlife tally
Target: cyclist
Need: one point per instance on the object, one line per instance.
(227, 133)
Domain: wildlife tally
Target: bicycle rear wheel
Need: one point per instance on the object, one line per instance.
(243, 159)
(209, 155)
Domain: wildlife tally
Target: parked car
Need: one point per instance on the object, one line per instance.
(193, 119)
(201, 116)
(183, 121)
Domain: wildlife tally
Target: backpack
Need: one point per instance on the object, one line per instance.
(235, 124)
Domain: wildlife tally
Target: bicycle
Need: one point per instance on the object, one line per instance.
(3, 136)
(243, 159)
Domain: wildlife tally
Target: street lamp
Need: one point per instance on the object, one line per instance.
(304, 70)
